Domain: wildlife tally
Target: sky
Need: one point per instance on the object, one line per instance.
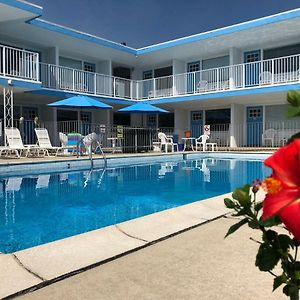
(140, 23)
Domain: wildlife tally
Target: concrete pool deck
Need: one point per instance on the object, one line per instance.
(47, 263)
(40, 266)
(196, 264)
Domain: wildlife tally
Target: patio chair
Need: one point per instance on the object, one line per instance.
(165, 142)
(13, 184)
(15, 143)
(43, 181)
(202, 86)
(268, 135)
(201, 141)
(44, 142)
(265, 77)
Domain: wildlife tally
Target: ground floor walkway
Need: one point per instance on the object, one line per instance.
(196, 264)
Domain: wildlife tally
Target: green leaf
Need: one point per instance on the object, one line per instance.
(285, 242)
(235, 227)
(293, 98)
(273, 221)
(270, 236)
(278, 281)
(229, 203)
(242, 195)
(292, 291)
(258, 206)
(293, 111)
(253, 224)
(266, 258)
(293, 137)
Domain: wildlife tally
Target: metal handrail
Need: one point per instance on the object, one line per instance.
(90, 151)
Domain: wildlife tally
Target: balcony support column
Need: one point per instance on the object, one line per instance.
(8, 106)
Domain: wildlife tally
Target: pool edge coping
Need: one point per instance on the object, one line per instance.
(50, 281)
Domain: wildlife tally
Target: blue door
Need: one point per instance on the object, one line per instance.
(197, 123)
(254, 125)
(252, 67)
(193, 76)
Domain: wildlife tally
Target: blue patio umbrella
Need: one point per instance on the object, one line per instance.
(80, 102)
(143, 108)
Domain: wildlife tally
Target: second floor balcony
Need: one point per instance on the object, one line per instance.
(25, 65)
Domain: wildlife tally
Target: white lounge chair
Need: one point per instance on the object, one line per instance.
(15, 143)
(43, 181)
(44, 142)
(201, 141)
(13, 184)
(165, 142)
(268, 136)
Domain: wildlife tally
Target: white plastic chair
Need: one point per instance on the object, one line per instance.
(202, 86)
(201, 141)
(44, 141)
(165, 142)
(268, 135)
(15, 143)
(265, 77)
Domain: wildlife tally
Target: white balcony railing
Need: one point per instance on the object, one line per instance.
(270, 72)
(19, 63)
(68, 79)
(24, 64)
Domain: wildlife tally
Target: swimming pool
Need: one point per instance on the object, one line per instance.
(42, 208)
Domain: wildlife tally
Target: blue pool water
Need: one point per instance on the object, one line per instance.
(42, 208)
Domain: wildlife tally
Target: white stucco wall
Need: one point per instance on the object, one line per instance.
(181, 122)
(237, 125)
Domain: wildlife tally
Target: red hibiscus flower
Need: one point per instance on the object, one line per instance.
(283, 187)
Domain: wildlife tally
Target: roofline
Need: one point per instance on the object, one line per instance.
(24, 5)
(287, 15)
(80, 35)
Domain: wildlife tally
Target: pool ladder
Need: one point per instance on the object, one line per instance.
(92, 140)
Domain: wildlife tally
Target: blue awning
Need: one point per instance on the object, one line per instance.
(142, 108)
(80, 102)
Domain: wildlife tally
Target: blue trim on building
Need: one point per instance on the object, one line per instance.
(244, 92)
(169, 44)
(24, 6)
(20, 84)
(63, 94)
(80, 35)
(222, 31)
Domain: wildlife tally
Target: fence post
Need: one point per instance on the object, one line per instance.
(37, 62)
(4, 61)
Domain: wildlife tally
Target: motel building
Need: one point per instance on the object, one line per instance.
(234, 79)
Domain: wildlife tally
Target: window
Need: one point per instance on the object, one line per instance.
(151, 122)
(147, 74)
(216, 62)
(254, 113)
(217, 116)
(197, 116)
(89, 67)
(193, 66)
(162, 72)
(85, 117)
